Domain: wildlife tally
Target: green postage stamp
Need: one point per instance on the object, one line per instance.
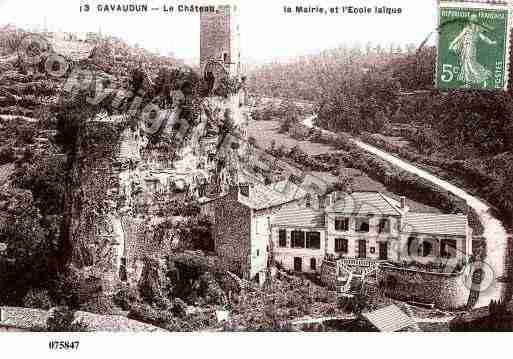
(473, 46)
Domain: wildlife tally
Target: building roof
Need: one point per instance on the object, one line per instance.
(365, 203)
(389, 319)
(23, 318)
(288, 189)
(262, 196)
(434, 223)
(299, 217)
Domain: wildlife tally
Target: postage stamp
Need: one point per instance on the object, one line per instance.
(473, 46)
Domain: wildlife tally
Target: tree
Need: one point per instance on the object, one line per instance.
(25, 263)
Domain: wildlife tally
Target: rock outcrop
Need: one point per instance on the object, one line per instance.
(122, 180)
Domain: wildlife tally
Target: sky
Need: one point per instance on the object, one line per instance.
(266, 31)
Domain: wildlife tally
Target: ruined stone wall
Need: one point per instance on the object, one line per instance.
(446, 291)
(215, 35)
(232, 233)
(141, 243)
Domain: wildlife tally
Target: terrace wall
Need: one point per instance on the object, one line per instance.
(446, 291)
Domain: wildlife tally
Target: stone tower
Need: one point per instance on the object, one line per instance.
(219, 38)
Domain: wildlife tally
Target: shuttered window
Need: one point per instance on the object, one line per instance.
(282, 238)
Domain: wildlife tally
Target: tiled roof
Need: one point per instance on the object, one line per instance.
(389, 319)
(299, 217)
(35, 320)
(364, 203)
(23, 318)
(433, 223)
(263, 197)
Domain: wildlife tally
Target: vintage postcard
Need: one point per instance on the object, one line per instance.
(237, 166)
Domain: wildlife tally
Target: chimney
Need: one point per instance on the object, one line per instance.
(332, 198)
(403, 202)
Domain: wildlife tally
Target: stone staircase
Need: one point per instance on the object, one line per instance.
(357, 269)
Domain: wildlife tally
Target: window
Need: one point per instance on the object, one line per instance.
(341, 245)
(313, 264)
(342, 224)
(448, 248)
(282, 238)
(322, 202)
(258, 252)
(313, 240)
(384, 225)
(427, 248)
(225, 57)
(297, 239)
(362, 224)
(308, 200)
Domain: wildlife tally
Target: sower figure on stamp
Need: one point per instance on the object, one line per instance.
(465, 45)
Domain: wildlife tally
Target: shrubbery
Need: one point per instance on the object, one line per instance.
(37, 298)
(7, 154)
(100, 304)
(166, 320)
(395, 179)
(355, 304)
(126, 297)
(61, 319)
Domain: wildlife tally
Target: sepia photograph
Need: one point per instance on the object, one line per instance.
(243, 167)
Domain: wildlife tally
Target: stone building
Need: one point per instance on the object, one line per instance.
(220, 38)
(366, 225)
(242, 226)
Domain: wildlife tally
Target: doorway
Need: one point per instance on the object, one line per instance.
(297, 264)
(362, 248)
(383, 251)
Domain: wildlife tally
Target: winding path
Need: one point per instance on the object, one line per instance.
(494, 231)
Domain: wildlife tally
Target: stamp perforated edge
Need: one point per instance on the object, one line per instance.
(507, 5)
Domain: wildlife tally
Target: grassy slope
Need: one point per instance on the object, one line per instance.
(266, 131)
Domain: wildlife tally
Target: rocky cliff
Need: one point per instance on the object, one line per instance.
(123, 181)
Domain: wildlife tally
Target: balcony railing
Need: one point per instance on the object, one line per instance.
(357, 262)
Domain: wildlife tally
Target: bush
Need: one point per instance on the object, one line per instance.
(7, 155)
(60, 319)
(150, 315)
(101, 304)
(355, 304)
(28, 241)
(210, 290)
(227, 86)
(37, 298)
(66, 288)
(126, 297)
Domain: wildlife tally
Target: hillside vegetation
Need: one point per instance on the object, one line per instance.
(462, 135)
(38, 131)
